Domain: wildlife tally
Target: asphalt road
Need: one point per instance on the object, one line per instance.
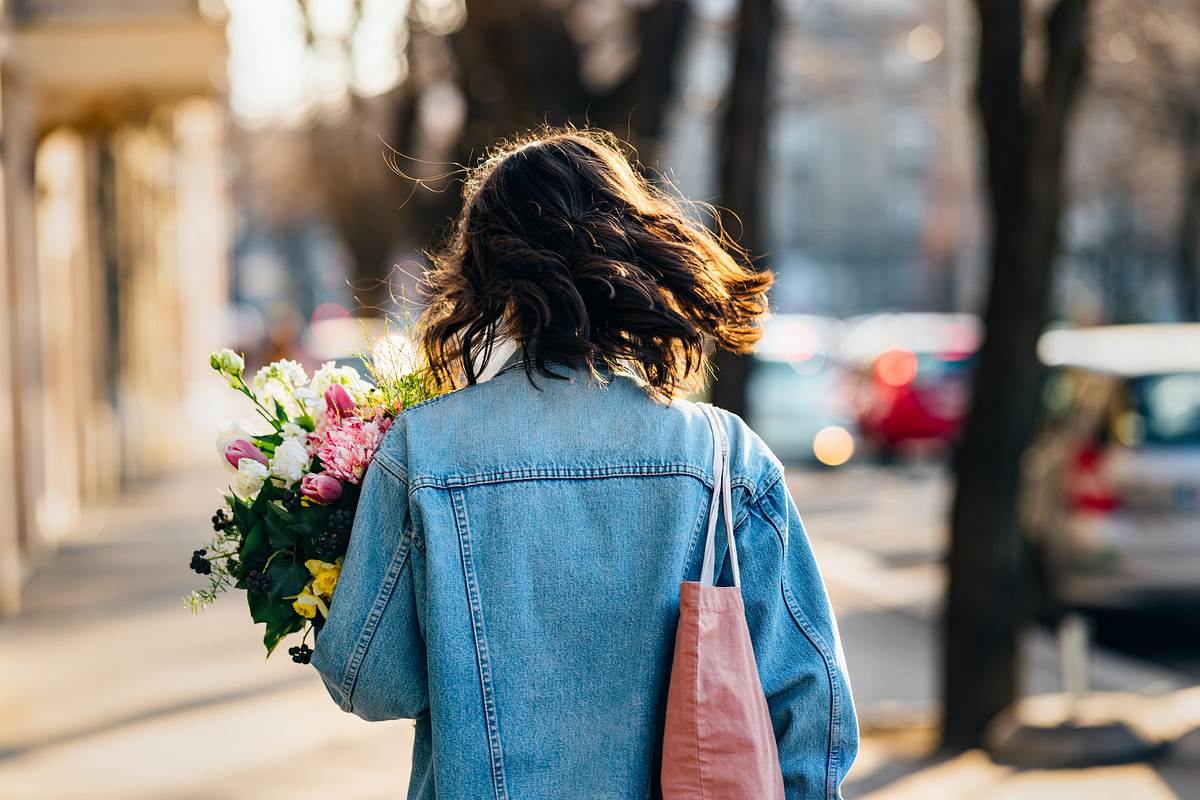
(896, 516)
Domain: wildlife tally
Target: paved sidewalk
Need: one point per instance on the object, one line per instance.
(109, 688)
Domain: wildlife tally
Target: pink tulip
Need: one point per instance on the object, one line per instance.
(338, 400)
(241, 448)
(320, 488)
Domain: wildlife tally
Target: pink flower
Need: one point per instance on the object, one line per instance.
(347, 449)
(338, 401)
(241, 448)
(320, 488)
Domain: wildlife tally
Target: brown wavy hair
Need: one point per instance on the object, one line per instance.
(564, 247)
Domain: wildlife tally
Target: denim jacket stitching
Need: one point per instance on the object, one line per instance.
(557, 473)
(418, 542)
(697, 531)
(392, 465)
(482, 658)
(835, 688)
(382, 598)
(769, 482)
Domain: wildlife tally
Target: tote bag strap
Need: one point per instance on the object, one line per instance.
(721, 494)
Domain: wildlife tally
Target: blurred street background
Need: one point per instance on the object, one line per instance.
(983, 372)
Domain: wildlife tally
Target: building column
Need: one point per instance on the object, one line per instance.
(20, 466)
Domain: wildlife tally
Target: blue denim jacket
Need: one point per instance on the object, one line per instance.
(512, 584)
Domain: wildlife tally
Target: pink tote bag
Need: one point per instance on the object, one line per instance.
(718, 742)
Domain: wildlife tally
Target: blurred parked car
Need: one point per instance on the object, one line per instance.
(911, 376)
(795, 391)
(1111, 485)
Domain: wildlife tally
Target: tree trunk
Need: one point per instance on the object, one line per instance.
(743, 156)
(1025, 129)
(643, 98)
(520, 68)
(1189, 221)
(363, 199)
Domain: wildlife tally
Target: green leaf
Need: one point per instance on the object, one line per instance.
(261, 606)
(278, 630)
(279, 512)
(280, 529)
(243, 516)
(256, 548)
(278, 616)
(309, 522)
(268, 494)
(288, 579)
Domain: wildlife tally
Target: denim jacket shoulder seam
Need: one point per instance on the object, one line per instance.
(765, 485)
(392, 465)
(814, 639)
(382, 598)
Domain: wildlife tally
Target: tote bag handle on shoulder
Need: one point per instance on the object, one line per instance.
(718, 743)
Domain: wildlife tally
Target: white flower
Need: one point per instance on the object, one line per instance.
(289, 373)
(230, 361)
(229, 364)
(231, 431)
(309, 400)
(291, 430)
(277, 384)
(249, 478)
(290, 461)
(272, 393)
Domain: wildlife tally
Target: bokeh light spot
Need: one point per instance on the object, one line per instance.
(923, 44)
(896, 368)
(833, 446)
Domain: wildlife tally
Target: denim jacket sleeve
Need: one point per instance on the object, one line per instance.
(370, 652)
(797, 646)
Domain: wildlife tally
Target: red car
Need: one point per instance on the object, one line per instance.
(912, 377)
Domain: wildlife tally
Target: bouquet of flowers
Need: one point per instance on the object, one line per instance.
(283, 529)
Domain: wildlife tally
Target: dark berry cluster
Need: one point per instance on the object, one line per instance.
(341, 521)
(332, 541)
(328, 545)
(301, 654)
(220, 521)
(291, 501)
(258, 581)
(201, 564)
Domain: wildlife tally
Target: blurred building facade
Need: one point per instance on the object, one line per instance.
(115, 240)
(871, 186)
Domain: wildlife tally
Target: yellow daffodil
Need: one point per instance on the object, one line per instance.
(316, 566)
(307, 604)
(325, 576)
